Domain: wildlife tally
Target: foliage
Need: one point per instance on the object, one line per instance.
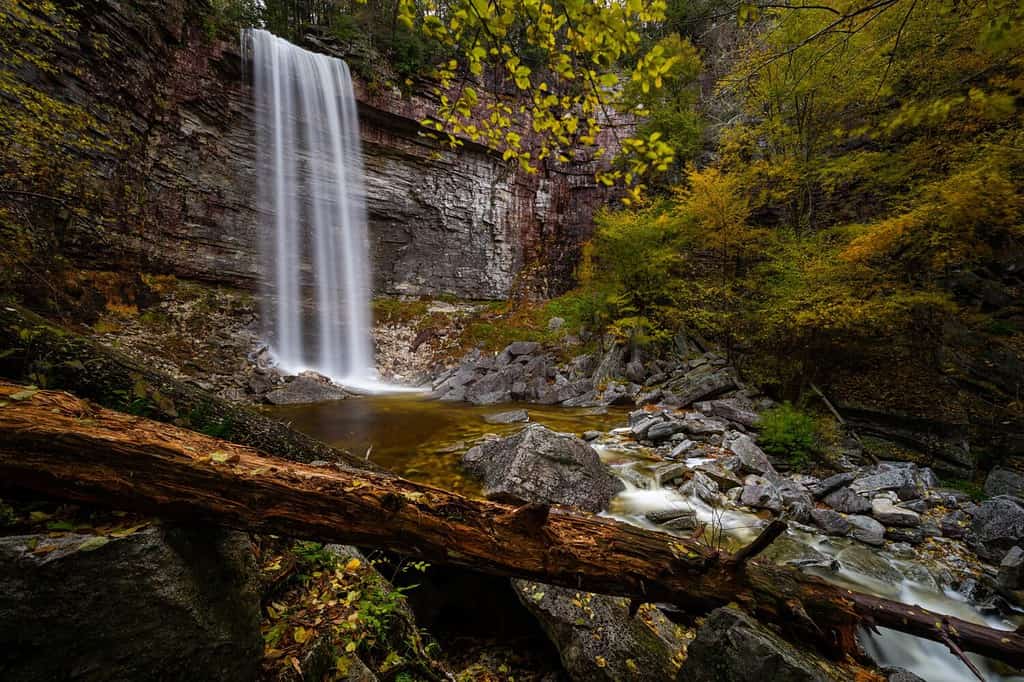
(788, 432)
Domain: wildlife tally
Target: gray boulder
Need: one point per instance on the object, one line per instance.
(998, 525)
(518, 348)
(308, 387)
(846, 501)
(827, 485)
(889, 514)
(494, 387)
(1011, 569)
(830, 522)
(1003, 481)
(596, 637)
(539, 465)
(866, 529)
(702, 487)
(732, 410)
(163, 603)
(732, 647)
(710, 387)
(752, 459)
(760, 493)
(725, 479)
(664, 430)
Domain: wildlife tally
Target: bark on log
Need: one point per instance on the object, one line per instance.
(58, 445)
(36, 351)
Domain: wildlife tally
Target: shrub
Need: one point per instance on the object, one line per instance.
(788, 432)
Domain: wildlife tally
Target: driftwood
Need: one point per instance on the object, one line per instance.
(55, 444)
(35, 351)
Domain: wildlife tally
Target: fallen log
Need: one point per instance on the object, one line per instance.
(58, 445)
(33, 350)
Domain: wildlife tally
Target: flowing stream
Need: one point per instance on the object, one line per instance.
(314, 237)
(425, 440)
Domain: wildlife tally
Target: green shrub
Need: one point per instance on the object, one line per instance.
(788, 432)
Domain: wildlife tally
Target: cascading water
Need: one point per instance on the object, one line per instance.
(314, 239)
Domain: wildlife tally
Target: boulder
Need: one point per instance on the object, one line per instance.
(640, 429)
(725, 479)
(661, 516)
(510, 417)
(539, 465)
(955, 524)
(518, 348)
(702, 487)
(846, 501)
(732, 410)
(710, 387)
(598, 640)
(760, 493)
(666, 474)
(308, 387)
(866, 529)
(827, 485)
(635, 371)
(664, 430)
(493, 387)
(830, 522)
(752, 459)
(161, 603)
(889, 514)
(1003, 481)
(998, 525)
(1011, 569)
(732, 647)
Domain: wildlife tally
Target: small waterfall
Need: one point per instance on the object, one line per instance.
(314, 238)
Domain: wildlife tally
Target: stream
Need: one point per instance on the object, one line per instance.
(424, 440)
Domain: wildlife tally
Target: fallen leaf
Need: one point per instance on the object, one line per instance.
(93, 543)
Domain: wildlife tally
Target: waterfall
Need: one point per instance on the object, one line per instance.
(313, 238)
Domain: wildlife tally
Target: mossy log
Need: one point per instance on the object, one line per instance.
(35, 351)
(58, 445)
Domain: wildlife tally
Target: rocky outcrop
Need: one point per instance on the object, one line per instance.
(179, 195)
(160, 603)
(732, 647)
(539, 465)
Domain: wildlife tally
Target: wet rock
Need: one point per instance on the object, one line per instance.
(789, 551)
(510, 417)
(796, 501)
(681, 448)
(640, 429)
(161, 603)
(308, 387)
(889, 514)
(725, 479)
(760, 493)
(661, 516)
(868, 562)
(664, 430)
(702, 487)
(733, 647)
(591, 435)
(540, 465)
(598, 640)
(673, 473)
(752, 459)
(866, 529)
(1011, 569)
(1002, 481)
(830, 522)
(847, 501)
(827, 485)
(998, 525)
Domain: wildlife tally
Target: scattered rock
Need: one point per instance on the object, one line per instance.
(162, 603)
(712, 386)
(866, 529)
(671, 473)
(733, 647)
(664, 430)
(1011, 569)
(591, 435)
(308, 387)
(510, 417)
(1003, 481)
(847, 501)
(998, 525)
(540, 465)
(752, 459)
(720, 475)
(702, 487)
(955, 524)
(830, 522)
(518, 348)
(597, 640)
(889, 514)
(732, 410)
(830, 484)
(635, 371)
(760, 493)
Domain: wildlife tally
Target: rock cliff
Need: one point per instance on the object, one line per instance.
(180, 197)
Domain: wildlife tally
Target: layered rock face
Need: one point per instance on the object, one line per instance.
(181, 197)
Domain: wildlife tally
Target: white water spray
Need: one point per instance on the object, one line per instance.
(314, 240)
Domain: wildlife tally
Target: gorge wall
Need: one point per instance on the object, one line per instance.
(180, 198)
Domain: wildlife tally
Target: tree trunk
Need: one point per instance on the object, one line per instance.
(58, 445)
(35, 351)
